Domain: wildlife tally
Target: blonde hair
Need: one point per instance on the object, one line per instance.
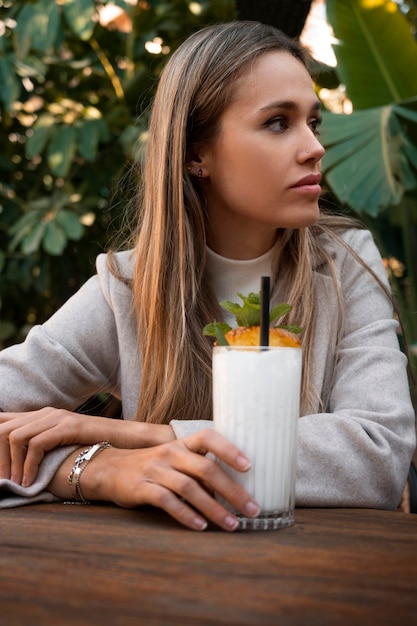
(172, 295)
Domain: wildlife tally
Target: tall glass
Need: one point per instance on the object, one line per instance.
(256, 405)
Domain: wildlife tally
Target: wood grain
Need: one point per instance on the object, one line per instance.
(87, 565)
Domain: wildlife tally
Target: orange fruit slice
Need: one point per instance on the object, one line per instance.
(251, 336)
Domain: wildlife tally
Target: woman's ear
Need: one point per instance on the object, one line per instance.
(197, 162)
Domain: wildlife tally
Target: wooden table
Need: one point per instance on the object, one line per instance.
(98, 565)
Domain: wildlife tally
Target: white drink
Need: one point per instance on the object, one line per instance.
(256, 404)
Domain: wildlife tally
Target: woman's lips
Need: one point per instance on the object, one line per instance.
(309, 184)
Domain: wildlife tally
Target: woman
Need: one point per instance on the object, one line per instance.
(231, 190)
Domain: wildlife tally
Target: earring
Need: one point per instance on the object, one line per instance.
(200, 175)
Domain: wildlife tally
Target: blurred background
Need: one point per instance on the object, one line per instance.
(76, 80)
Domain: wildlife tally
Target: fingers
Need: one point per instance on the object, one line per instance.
(26, 458)
(208, 440)
(196, 498)
(196, 472)
(178, 509)
(185, 499)
(180, 479)
(25, 437)
(4, 458)
(8, 421)
(18, 445)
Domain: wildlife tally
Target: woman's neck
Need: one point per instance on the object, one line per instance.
(230, 245)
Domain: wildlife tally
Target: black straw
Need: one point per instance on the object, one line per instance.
(265, 304)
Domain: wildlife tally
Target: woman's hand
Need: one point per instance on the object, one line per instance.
(26, 437)
(177, 477)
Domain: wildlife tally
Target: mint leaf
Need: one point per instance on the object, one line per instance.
(221, 339)
(218, 330)
(278, 311)
(247, 315)
(292, 328)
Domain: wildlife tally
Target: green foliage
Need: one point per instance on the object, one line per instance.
(371, 154)
(74, 90)
(376, 51)
(217, 330)
(249, 313)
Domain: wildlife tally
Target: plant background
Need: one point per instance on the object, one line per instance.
(371, 152)
(76, 80)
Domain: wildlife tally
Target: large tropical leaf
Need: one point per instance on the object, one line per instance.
(371, 159)
(376, 51)
(371, 155)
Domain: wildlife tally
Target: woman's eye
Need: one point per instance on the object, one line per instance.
(314, 125)
(277, 124)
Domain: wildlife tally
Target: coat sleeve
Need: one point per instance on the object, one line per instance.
(357, 453)
(62, 363)
(65, 360)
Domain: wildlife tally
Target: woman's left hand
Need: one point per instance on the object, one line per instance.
(26, 437)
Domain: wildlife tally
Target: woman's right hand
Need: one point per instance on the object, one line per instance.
(177, 477)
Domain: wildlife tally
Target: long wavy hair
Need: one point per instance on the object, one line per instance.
(172, 295)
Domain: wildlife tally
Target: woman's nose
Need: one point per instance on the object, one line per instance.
(312, 150)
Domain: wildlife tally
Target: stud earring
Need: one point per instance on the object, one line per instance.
(200, 175)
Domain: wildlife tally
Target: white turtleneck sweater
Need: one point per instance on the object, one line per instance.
(230, 277)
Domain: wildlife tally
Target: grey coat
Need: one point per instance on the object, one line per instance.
(356, 454)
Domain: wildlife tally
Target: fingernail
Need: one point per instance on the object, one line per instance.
(252, 509)
(25, 482)
(231, 522)
(243, 462)
(200, 524)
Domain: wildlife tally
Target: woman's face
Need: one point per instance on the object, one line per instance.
(262, 170)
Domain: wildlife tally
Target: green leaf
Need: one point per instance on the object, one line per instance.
(247, 315)
(22, 228)
(369, 161)
(292, 328)
(70, 222)
(61, 150)
(324, 75)
(32, 67)
(9, 85)
(278, 311)
(88, 136)
(376, 51)
(250, 313)
(221, 339)
(42, 132)
(54, 240)
(218, 330)
(79, 15)
(37, 28)
(32, 241)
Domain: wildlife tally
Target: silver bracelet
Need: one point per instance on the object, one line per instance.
(80, 464)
